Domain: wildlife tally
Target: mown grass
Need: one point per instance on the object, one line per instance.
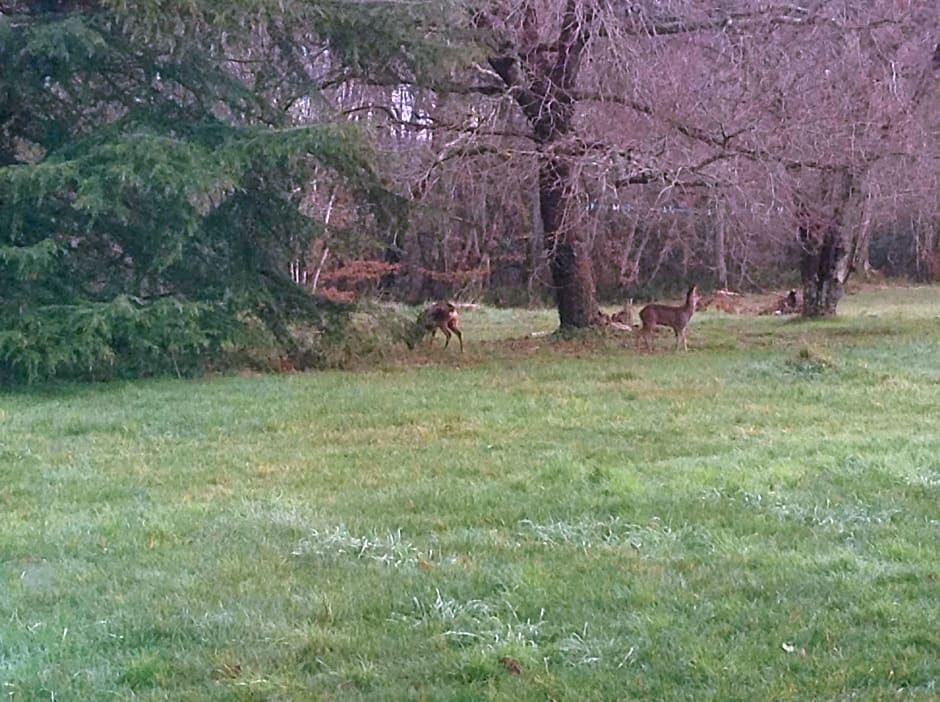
(536, 519)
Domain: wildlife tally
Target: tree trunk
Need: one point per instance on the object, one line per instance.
(571, 267)
(542, 88)
(827, 249)
(721, 266)
(824, 268)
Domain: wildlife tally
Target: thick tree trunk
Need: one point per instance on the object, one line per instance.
(827, 249)
(542, 87)
(824, 268)
(571, 266)
(573, 276)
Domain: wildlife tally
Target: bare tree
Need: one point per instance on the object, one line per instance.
(865, 88)
(664, 136)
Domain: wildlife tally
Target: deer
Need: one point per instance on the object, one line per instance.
(443, 316)
(676, 317)
(624, 318)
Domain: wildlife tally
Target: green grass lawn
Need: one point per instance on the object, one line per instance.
(757, 519)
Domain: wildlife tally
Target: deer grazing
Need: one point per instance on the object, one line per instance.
(443, 316)
(668, 316)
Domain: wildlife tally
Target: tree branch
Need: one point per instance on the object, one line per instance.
(784, 13)
(433, 124)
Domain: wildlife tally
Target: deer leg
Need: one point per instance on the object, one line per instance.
(446, 336)
(459, 336)
(431, 336)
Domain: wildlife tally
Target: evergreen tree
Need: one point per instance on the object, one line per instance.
(150, 175)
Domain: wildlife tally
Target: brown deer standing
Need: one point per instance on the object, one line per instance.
(443, 316)
(667, 316)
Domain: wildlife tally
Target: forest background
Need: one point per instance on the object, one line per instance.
(185, 183)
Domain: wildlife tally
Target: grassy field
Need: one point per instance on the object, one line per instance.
(757, 519)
